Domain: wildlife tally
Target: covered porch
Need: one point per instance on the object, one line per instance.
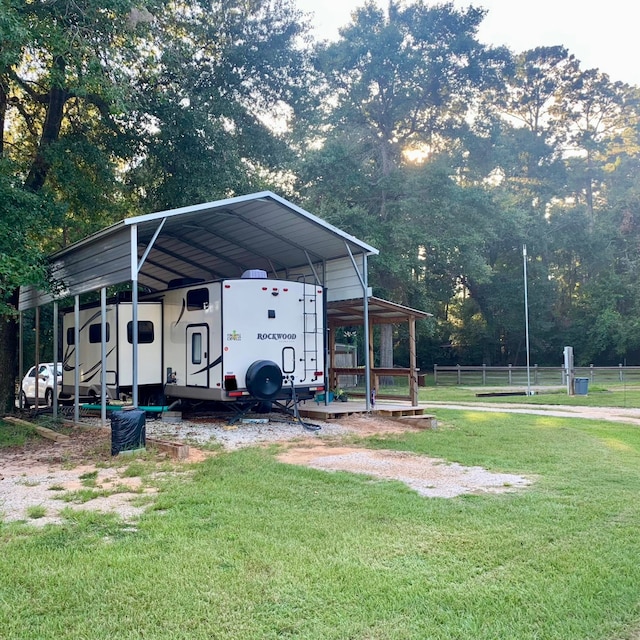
(352, 313)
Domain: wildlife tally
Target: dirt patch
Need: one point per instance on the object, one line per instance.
(430, 477)
(34, 477)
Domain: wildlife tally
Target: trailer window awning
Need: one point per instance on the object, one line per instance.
(212, 241)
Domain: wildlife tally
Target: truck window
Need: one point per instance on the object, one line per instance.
(197, 299)
(95, 333)
(145, 332)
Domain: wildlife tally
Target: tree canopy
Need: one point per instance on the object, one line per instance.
(406, 131)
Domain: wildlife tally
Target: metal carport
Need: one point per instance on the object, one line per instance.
(209, 241)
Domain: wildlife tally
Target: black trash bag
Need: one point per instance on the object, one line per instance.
(127, 431)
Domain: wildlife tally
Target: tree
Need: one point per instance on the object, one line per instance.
(227, 73)
(61, 69)
(401, 89)
(99, 98)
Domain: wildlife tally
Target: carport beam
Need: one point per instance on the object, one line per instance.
(134, 313)
(76, 369)
(103, 356)
(364, 282)
(55, 360)
(135, 271)
(21, 356)
(37, 360)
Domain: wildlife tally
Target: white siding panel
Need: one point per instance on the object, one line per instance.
(341, 280)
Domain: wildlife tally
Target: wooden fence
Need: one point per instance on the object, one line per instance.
(539, 376)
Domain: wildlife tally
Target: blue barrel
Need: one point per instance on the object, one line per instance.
(581, 386)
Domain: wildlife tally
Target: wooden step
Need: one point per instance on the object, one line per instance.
(422, 421)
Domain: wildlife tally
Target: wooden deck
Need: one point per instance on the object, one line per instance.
(336, 410)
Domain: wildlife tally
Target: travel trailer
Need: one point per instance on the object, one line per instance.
(234, 340)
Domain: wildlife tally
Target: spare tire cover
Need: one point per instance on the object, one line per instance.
(264, 379)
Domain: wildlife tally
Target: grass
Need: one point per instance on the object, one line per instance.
(610, 395)
(89, 479)
(36, 511)
(16, 435)
(598, 396)
(247, 547)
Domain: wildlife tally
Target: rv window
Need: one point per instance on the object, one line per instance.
(145, 332)
(71, 335)
(197, 299)
(196, 348)
(95, 333)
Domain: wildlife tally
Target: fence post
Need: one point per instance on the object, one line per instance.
(620, 372)
(535, 374)
(458, 373)
(484, 375)
(435, 375)
(510, 372)
(592, 372)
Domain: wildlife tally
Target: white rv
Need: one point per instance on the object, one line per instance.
(245, 339)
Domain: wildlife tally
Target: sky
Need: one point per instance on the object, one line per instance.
(603, 35)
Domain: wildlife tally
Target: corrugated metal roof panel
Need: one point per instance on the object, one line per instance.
(212, 240)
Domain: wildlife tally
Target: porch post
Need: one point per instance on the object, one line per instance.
(413, 377)
(368, 365)
(332, 362)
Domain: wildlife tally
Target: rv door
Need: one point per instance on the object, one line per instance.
(197, 368)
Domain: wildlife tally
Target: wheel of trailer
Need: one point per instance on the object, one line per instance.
(264, 379)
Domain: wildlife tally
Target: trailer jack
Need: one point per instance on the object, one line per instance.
(296, 412)
(290, 408)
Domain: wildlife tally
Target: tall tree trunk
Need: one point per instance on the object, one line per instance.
(589, 192)
(3, 115)
(8, 325)
(58, 97)
(8, 353)
(34, 182)
(386, 352)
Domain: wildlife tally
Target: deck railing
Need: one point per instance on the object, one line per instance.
(391, 383)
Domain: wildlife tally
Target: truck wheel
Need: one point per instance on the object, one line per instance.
(48, 398)
(264, 379)
(23, 398)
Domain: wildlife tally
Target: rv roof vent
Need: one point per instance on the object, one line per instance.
(255, 273)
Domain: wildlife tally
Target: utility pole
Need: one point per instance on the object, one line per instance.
(526, 317)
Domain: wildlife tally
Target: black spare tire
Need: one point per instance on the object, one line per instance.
(264, 379)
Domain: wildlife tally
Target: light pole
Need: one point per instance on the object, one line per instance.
(526, 316)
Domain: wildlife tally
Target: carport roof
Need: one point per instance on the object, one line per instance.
(207, 241)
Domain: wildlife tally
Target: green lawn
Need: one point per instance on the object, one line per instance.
(252, 548)
(599, 396)
(13, 435)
